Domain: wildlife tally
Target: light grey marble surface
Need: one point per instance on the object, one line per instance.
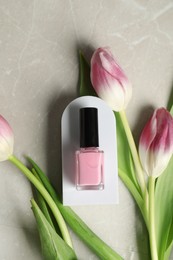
(39, 69)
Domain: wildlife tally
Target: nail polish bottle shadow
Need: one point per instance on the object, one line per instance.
(71, 144)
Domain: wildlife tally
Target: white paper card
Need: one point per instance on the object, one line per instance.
(107, 142)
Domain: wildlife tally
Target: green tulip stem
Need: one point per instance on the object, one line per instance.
(139, 170)
(46, 196)
(152, 232)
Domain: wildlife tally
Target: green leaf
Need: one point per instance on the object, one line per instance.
(85, 86)
(53, 246)
(169, 242)
(102, 250)
(40, 187)
(168, 252)
(171, 110)
(164, 209)
(42, 204)
(170, 101)
(125, 161)
(131, 187)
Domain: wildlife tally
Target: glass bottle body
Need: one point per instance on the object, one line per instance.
(89, 169)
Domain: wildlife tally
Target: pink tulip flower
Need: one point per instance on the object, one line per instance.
(109, 81)
(6, 140)
(156, 142)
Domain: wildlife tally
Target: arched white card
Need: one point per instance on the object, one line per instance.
(71, 143)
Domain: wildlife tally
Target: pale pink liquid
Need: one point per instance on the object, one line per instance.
(89, 168)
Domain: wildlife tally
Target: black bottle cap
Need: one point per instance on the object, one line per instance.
(89, 127)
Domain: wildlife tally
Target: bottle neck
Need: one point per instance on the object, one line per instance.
(89, 148)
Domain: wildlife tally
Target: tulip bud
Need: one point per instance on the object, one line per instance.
(6, 140)
(109, 81)
(156, 142)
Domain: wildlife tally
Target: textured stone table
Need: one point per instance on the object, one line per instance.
(39, 77)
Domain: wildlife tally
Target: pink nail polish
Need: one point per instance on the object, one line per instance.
(89, 159)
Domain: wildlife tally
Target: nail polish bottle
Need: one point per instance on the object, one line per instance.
(89, 159)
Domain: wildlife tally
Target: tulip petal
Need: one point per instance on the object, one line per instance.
(156, 142)
(109, 88)
(162, 148)
(6, 140)
(111, 66)
(146, 139)
(109, 80)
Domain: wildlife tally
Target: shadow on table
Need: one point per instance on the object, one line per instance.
(53, 139)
